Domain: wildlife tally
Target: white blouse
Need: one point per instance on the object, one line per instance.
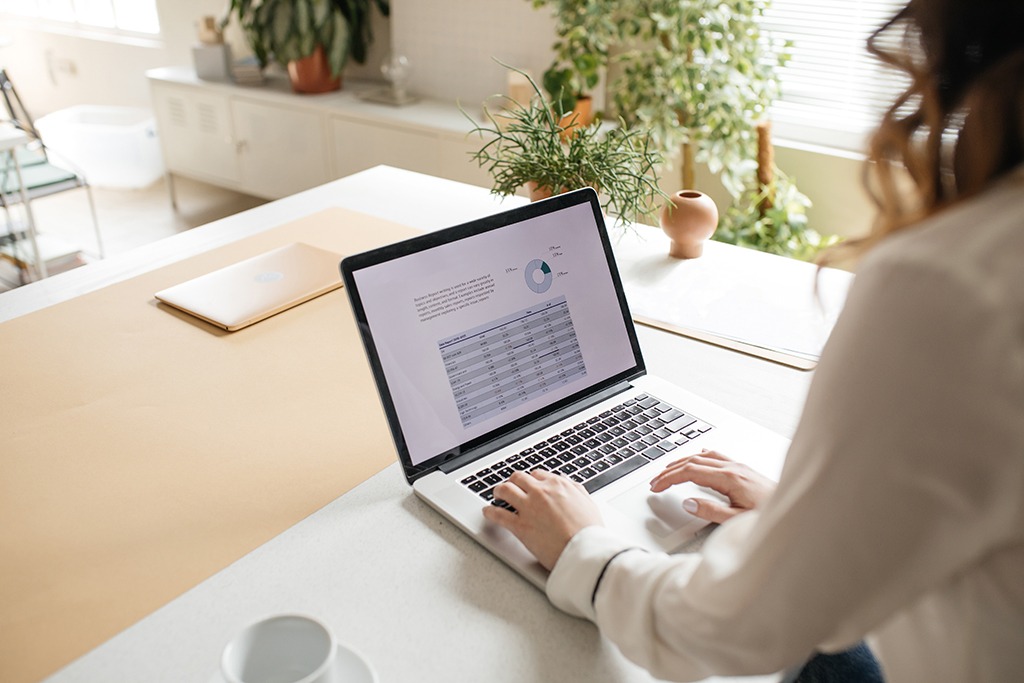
(900, 511)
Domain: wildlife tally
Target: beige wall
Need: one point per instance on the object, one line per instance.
(449, 43)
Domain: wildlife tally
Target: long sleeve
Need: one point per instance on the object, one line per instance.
(902, 496)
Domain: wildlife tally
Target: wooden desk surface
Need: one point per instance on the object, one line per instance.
(394, 580)
(148, 450)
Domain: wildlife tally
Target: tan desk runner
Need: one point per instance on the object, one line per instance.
(143, 451)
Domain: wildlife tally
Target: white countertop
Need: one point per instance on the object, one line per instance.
(395, 581)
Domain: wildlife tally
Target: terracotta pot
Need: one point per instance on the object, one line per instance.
(689, 220)
(537, 192)
(581, 115)
(312, 74)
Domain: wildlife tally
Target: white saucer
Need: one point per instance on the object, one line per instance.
(349, 666)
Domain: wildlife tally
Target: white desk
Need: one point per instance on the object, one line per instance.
(394, 580)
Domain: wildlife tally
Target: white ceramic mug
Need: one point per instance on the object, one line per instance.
(289, 648)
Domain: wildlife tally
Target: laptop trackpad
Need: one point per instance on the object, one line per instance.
(663, 513)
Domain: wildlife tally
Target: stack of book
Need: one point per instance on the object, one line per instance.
(247, 71)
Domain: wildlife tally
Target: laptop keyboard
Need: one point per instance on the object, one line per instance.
(600, 450)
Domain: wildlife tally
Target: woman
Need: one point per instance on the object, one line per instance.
(899, 515)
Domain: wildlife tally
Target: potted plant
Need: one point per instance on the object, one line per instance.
(525, 147)
(313, 39)
(579, 57)
(698, 74)
(770, 214)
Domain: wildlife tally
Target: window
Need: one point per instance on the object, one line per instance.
(833, 91)
(129, 16)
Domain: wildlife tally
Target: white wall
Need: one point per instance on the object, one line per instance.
(450, 45)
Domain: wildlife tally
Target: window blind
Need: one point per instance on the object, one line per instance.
(833, 90)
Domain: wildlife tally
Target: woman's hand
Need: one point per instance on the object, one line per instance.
(550, 509)
(745, 488)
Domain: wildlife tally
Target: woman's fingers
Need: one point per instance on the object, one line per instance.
(712, 511)
(698, 473)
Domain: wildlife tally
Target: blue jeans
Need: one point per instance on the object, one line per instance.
(856, 665)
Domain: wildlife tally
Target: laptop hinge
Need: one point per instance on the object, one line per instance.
(535, 426)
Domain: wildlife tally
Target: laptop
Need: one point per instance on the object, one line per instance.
(255, 289)
(506, 344)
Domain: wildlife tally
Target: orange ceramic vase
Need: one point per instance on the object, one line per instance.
(689, 220)
(312, 74)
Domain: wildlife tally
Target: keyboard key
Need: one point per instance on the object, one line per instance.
(581, 462)
(498, 502)
(488, 494)
(588, 472)
(620, 443)
(601, 465)
(566, 457)
(702, 427)
(648, 402)
(672, 415)
(514, 458)
(666, 446)
(586, 433)
(468, 479)
(680, 422)
(528, 451)
(552, 464)
(663, 407)
(613, 473)
(656, 423)
(540, 445)
(633, 435)
(628, 425)
(663, 433)
(554, 439)
(562, 446)
(477, 486)
(607, 448)
(651, 439)
(592, 443)
(492, 479)
(577, 478)
(547, 452)
(653, 453)
(568, 468)
(614, 458)
(484, 471)
(534, 459)
(578, 450)
(606, 413)
(616, 431)
(644, 429)
(520, 465)
(574, 439)
(505, 472)
(592, 420)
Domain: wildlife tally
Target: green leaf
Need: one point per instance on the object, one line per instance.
(337, 53)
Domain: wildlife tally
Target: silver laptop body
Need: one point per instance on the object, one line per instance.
(506, 343)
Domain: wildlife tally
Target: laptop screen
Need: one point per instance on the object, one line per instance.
(481, 328)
